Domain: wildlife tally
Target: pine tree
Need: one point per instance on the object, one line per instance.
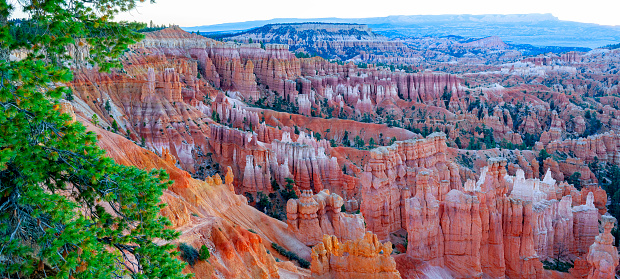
(67, 210)
(94, 119)
(458, 142)
(115, 126)
(372, 143)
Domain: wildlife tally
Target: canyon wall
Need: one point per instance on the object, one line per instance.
(209, 213)
(499, 225)
(263, 117)
(406, 169)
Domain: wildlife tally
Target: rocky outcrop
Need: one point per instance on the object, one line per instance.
(152, 106)
(209, 213)
(303, 160)
(312, 216)
(603, 255)
(229, 246)
(499, 225)
(425, 236)
(405, 169)
(605, 147)
(234, 74)
(428, 87)
(585, 225)
(553, 229)
(360, 258)
(519, 253)
(461, 226)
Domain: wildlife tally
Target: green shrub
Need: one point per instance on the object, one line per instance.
(290, 255)
(188, 253)
(560, 266)
(204, 254)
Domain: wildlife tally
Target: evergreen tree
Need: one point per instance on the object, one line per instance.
(345, 139)
(67, 210)
(289, 192)
(94, 119)
(458, 142)
(575, 180)
(359, 142)
(372, 143)
(114, 126)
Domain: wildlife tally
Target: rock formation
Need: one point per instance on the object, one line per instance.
(312, 216)
(197, 103)
(406, 169)
(360, 258)
(603, 255)
(499, 225)
(209, 213)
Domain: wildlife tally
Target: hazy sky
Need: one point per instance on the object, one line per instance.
(188, 13)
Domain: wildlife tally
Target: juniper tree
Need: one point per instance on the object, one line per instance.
(66, 210)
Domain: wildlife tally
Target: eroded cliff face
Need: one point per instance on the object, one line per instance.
(203, 107)
(311, 217)
(158, 103)
(360, 258)
(499, 225)
(210, 213)
(412, 168)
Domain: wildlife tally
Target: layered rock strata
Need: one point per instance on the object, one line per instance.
(603, 255)
(312, 216)
(499, 225)
(406, 169)
(360, 258)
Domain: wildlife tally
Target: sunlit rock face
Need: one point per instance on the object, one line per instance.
(364, 257)
(209, 213)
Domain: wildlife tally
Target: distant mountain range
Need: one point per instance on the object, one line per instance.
(534, 29)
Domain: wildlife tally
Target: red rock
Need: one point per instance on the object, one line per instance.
(208, 213)
(425, 241)
(462, 232)
(585, 225)
(494, 224)
(390, 178)
(603, 255)
(312, 216)
(360, 258)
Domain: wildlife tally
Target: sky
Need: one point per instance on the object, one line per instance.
(187, 13)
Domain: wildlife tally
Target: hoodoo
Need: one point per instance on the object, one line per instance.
(313, 150)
